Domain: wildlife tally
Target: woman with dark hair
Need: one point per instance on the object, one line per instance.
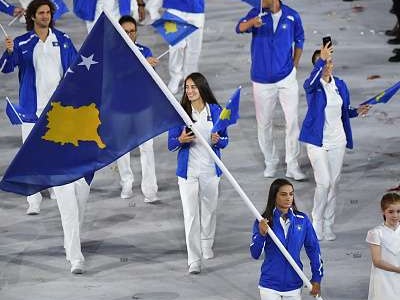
(278, 280)
(198, 175)
(326, 130)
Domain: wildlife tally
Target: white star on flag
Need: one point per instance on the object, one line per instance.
(87, 61)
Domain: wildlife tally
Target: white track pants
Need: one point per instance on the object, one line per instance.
(267, 294)
(153, 7)
(184, 57)
(149, 181)
(265, 98)
(199, 195)
(71, 201)
(327, 165)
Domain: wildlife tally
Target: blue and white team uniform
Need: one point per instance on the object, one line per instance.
(274, 78)
(278, 279)
(6, 7)
(184, 57)
(42, 64)
(90, 10)
(326, 131)
(149, 181)
(198, 179)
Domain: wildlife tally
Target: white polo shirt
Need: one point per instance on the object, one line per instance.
(199, 158)
(334, 135)
(48, 69)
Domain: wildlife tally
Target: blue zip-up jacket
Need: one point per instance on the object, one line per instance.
(7, 7)
(313, 125)
(144, 50)
(86, 9)
(183, 154)
(276, 272)
(190, 6)
(272, 53)
(22, 57)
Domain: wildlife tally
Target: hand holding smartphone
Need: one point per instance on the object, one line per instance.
(327, 40)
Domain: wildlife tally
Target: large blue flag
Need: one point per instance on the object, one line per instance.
(384, 96)
(172, 28)
(61, 8)
(107, 104)
(230, 114)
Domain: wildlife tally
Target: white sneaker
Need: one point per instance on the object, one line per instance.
(270, 171)
(151, 199)
(208, 253)
(33, 210)
(173, 85)
(78, 268)
(293, 171)
(126, 192)
(195, 268)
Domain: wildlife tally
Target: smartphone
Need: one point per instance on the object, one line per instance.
(326, 40)
(188, 130)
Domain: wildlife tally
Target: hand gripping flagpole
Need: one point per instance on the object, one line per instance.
(220, 164)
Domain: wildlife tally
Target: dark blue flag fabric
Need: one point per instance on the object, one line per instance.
(172, 28)
(14, 113)
(230, 114)
(61, 8)
(254, 3)
(107, 104)
(384, 96)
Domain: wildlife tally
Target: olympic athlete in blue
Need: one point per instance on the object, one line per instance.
(278, 280)
(273, 73)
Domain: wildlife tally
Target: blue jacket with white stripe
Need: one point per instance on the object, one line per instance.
(313, 125)
(7, 7)
(189, 6)
(272, 52)
(22, 57)
(86, 9)
(183, 154)
(276, 272)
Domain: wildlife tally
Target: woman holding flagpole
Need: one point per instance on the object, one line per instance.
(198, 175)
(278, 280)
(326, 131)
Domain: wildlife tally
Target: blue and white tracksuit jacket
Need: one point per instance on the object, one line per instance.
(183, 154)
(276, 272)
(272, 52)
(144, 50)
(22, 57)
(86, 9)
(189, 6)
(7, 7)
(313, 124)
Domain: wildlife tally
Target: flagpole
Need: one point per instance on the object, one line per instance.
(14, 19)
(166, 52)
(12, 107)
(4, 32)
(178, 107)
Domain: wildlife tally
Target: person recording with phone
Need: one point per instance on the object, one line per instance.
(198, 175)
(276, 48)
(326, 131)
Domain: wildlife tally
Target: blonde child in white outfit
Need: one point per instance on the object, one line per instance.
(384, 242)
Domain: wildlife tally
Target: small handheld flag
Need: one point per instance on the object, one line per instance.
(384, 96)
(230, 113)
(173, 29)
(61, 8)
(12, 113)
(16, 115)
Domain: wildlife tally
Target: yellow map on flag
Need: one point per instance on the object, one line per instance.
(72, 125)
(225, 114)
(170, 27)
